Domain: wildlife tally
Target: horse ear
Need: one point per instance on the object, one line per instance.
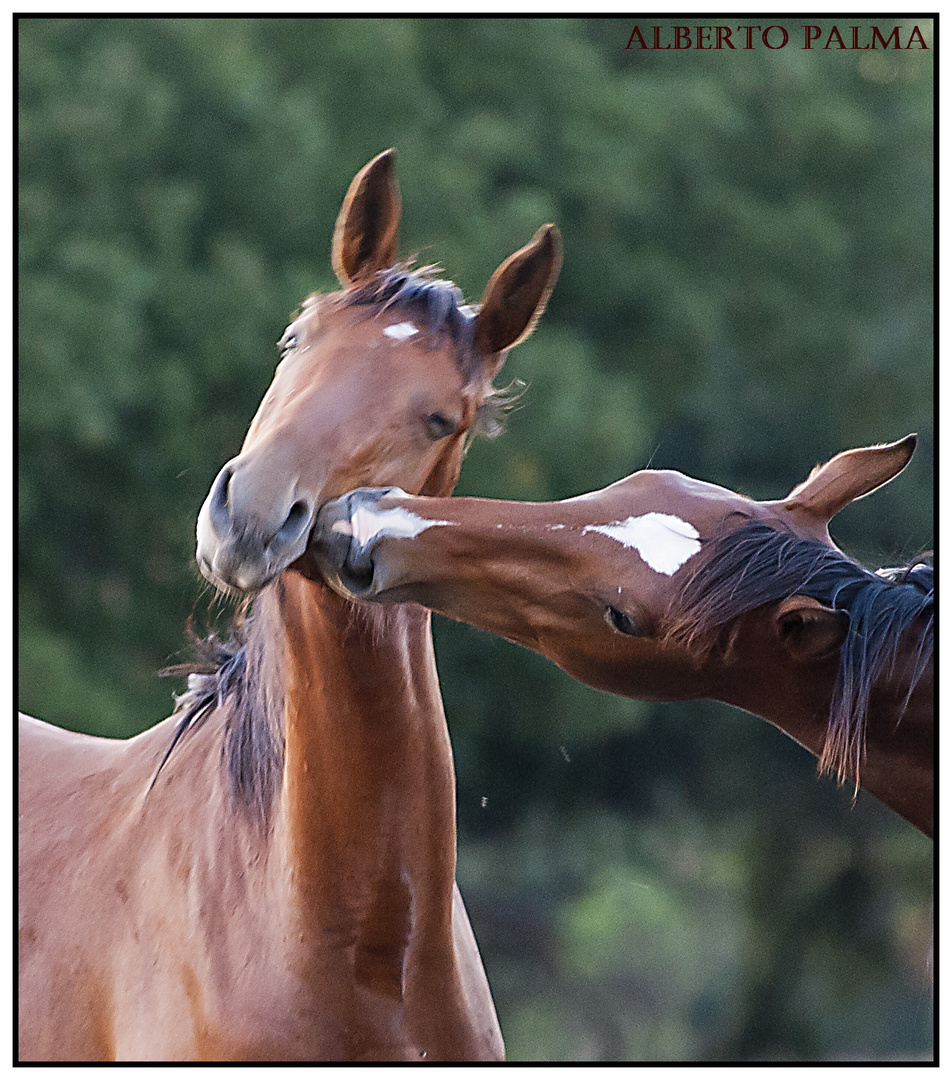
(365, 237)
(808, 630)
(517, 293)
(849, 476)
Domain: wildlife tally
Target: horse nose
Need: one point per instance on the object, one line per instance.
(248, 532)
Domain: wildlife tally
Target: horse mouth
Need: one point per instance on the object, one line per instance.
(238, 579)
(345, 562)
(239, 566)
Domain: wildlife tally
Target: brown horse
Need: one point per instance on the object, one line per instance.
(269, 873)
(665, 588)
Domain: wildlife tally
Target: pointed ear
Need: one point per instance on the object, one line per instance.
(517, 293)
(807, 629)
(849, 476)
(365, 237)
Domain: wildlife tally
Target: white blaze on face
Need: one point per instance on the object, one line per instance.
(664, 541)
(366, 525)
(400, 330)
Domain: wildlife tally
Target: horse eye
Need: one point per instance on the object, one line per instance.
(439, 426)
(623, 623)
(287, 343)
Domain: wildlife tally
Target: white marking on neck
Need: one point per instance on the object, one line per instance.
(366, 525)
(664, 541)
(400, 330)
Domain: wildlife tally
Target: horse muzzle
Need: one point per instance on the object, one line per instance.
(344, 541)
(240, 549)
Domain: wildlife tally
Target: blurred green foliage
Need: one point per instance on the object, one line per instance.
(747, 290)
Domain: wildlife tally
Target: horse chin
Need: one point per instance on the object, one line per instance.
(240, 584)
(245, 577)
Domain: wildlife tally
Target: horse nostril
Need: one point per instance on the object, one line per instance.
(218, 503)
(294, 524)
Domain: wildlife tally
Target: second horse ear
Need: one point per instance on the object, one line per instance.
(808, 630)
(365, 237)
(847, 477)
(517, 294)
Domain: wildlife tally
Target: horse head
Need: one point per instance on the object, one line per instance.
(378, 384)
(663, 587)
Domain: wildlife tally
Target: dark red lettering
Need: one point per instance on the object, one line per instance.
(783, 41)
(723, 36)
(682, 37)
(884, 42)
(834, 33)
(657, 39)
(856, 44)
(916, 35)
(636, 36)
(703, 34)
(750, 30)
(810, 34)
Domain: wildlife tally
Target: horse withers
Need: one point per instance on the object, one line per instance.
(667, 588)
(268, 875)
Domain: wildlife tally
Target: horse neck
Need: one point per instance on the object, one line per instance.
(898, 765)
(367, 807)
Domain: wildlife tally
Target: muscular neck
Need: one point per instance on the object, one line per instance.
(368, 797)
(366, 824)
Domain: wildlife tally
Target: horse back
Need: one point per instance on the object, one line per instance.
(84, 883)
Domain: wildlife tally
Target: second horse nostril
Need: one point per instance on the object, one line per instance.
(294, 523)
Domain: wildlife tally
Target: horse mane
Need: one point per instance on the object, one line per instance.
(243, 676)
(756, 565)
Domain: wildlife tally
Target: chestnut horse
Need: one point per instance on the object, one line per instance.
(666, 588)
(268, 875)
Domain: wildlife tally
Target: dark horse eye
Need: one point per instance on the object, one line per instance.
(439, 426)
(623, 623)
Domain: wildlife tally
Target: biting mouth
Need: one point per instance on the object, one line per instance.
(345, 561)
(357, 569)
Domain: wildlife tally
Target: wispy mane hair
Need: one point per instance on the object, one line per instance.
(244, 676)
(756, 565)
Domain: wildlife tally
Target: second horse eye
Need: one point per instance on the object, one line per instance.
(439, 426)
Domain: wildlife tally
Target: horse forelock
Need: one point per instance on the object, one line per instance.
(756, 565)
(436, 302)
(243, 676)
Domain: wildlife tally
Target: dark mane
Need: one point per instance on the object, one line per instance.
(756, 565)
(436, 302)
(243, 676)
